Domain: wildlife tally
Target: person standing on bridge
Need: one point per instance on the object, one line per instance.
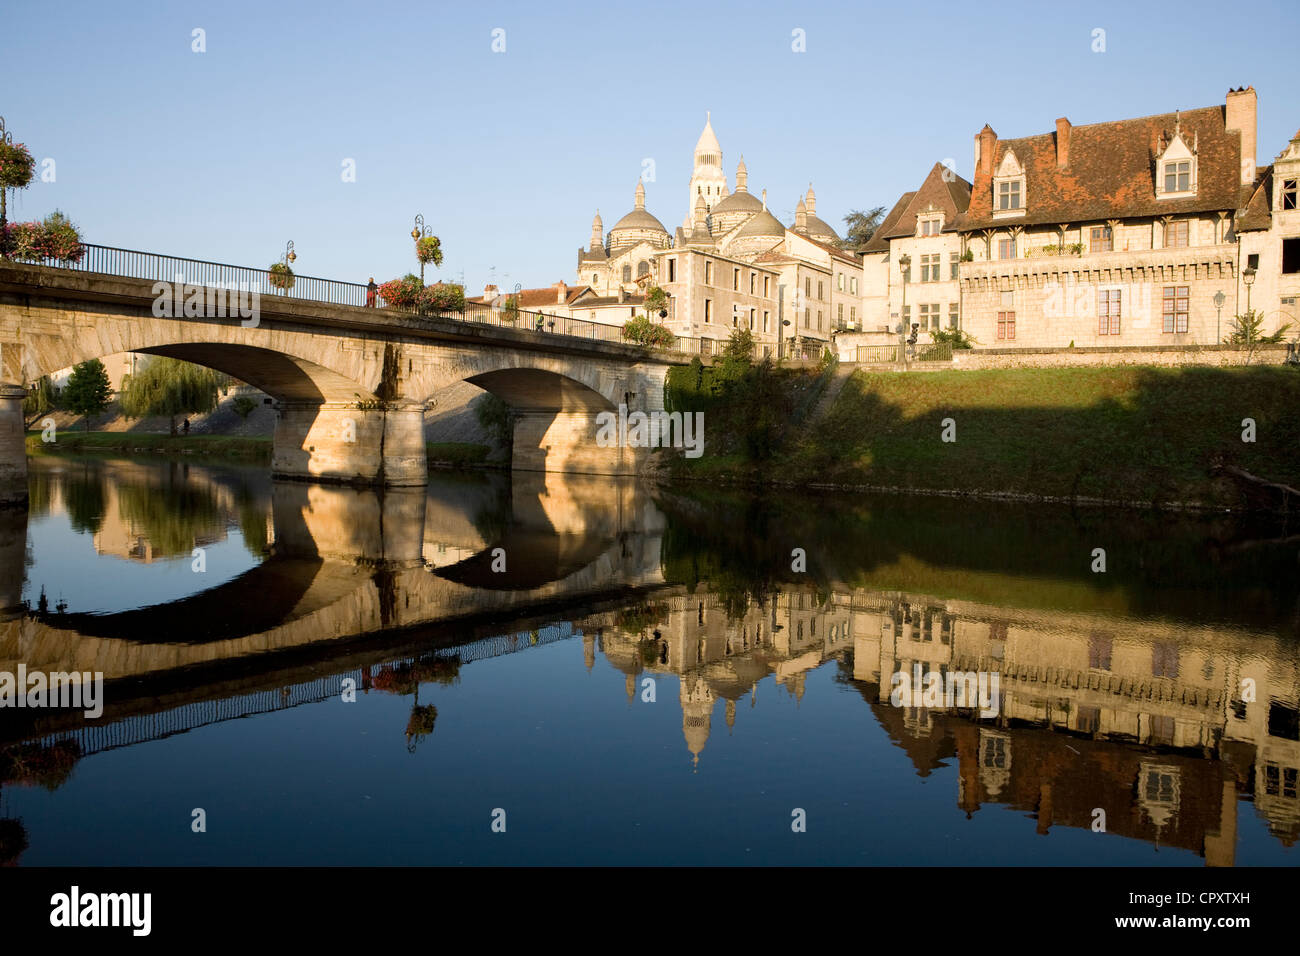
(371, 289)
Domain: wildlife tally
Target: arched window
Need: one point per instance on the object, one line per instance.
(627, 273)
(595, 279)
(642, 268)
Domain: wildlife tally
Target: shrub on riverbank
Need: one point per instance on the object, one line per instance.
(750, 409)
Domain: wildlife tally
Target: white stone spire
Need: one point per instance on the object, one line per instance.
(708, 181)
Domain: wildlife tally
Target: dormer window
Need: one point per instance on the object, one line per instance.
(1009, 188)
(1176, 170)
(929, 226)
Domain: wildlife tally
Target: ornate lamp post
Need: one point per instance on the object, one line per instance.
(1248, 277)
(421, 231)
(6, 138)
(904, 264)
(289, 256)
(1219, 299)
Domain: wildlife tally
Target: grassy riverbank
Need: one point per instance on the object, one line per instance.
(225, 447)
(1134, 434)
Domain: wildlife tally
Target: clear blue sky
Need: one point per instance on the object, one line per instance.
(227, 154)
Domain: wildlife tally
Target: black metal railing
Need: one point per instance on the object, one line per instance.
(152, 266)
(877, 354)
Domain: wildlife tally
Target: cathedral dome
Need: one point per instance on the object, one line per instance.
(734, 209)
(806, 222)
(638, 225)
(819, 230)
(739, 202)
(763, 225)
(638, 219)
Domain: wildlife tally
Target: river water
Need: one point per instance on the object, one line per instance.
(579, 670)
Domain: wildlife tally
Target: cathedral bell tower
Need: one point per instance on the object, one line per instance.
(708, 181)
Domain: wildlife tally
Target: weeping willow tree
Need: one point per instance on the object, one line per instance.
(171, 387)
(41, 400)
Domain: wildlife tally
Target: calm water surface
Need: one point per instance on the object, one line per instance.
(635, 677)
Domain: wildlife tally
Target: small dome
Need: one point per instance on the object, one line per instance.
(818, 229)
(639, 219)
(635, 225)
(738, 201)
(764, 224)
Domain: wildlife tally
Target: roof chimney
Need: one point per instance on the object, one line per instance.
(489, 291)
(1240, 115)
(986, 143)
(561, 292)
(1062, 142)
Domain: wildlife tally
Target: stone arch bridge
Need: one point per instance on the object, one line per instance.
(351, 383)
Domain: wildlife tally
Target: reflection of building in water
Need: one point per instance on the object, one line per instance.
(724, 656)
(132, 530)
(1157, 687)
(1143, 719)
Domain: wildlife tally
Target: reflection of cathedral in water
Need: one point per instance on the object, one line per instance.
(1151, 722)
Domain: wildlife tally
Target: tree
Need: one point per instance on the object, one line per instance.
(861, 226)
(244, 405)
(171, 387)
(88, 391)
(1248, 329)
(41, 400)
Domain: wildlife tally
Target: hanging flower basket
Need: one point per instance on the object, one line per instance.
(16, 166)
(429, 249)
(280, 276)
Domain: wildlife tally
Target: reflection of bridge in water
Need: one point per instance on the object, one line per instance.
(349, 563)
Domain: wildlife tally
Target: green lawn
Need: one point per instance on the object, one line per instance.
(229, 447)
(1137, 434)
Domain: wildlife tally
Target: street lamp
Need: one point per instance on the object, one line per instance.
(289, 255)
(421, 231)
(6, 138)
(904, 264)
(1219, 299)
(1248, 277)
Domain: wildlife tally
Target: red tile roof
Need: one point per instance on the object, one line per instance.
(944, 190)
(878, 242)
(1259, 208)
(1111, 171)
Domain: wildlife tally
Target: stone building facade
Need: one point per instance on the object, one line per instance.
(1112, 234)
(910, 265)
